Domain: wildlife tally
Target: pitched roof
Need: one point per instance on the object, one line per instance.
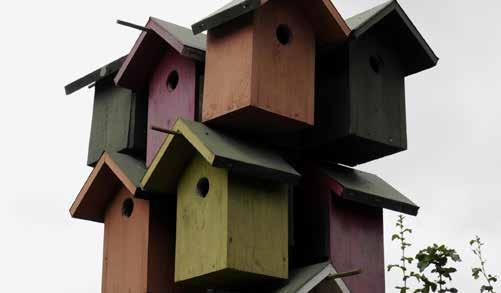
(305, 279)
(97, 75)
(390, 17)
(112, 170)
(219, 150)
(328, 23)
(150, 46)
(369, 189)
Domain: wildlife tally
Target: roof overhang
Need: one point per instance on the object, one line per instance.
(390, 18)
(95, 76)
(304, 280)
(219, 150)
(329, 25)
(111, 172)
(367, 189)
(151, 45)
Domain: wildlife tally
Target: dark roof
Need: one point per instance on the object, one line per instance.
(368, 189)
(219, 150)
(328, 23)
(390, 17)
(303, 280)
(112, 170)
(95, 76)
(150, 46)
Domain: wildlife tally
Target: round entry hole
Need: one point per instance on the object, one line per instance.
(376, 63)
(284, 34)
(203, 187)
(127, 207)
(172, 80)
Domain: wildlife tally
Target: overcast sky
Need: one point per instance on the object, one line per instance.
(451, 169)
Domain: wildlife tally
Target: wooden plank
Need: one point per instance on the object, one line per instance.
(95, 76)
(166, 104)
(125, 265)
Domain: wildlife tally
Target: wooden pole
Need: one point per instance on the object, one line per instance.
(132, 25)
(346, 274)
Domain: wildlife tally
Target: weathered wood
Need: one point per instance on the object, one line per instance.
(132, 25)
(255, 82)
(219, 150)
(237, 230)
(172, 95)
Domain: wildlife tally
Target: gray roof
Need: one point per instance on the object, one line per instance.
(369, 189)
(413, 46)
(305, 279)
(133, 168)
(219, 149)
(183, 35)
(95, 76)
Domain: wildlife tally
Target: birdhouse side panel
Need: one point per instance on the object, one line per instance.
(172, 94)
(258, 226)
(377, 91)
(125, 264)
(357, 242)
(284, 62)
(202, 220)
(228, 68)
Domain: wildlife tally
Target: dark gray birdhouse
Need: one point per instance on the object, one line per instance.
(360, 92)
(119, 115)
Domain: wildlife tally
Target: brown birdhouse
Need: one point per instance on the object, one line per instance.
(360, 90)
(260, 63)
(167, 62)
(338, 215)
(139, 234)
(232, 207)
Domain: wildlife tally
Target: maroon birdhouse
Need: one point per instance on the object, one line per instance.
(167, 61)
(260, 64)
(338, 216)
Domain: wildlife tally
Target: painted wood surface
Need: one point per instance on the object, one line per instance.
(125, 264)
(248, 70)
(118, 121)
(166, 104)
(236, 233)
(360, 102)
(348, 234)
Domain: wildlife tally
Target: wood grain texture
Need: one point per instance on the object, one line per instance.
(247, 67)
(239, 229)
(125, 264)
(166, 105)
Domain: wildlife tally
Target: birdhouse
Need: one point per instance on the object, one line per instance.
(232, 206)
(260, 63)
(166, 62)
(119, 114)
(338, 216)
(139, 234)
(360, 92)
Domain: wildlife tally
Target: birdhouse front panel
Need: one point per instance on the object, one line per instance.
(172, 94)
(118, 121)
(229, 228)
(260, 70)
(360, 96)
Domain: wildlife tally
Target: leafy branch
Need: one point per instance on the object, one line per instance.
(476, 246)
(437, 257)
(405, 260)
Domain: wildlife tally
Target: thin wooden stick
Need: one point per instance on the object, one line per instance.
(132, 25)
(160, 129)
(347, 274)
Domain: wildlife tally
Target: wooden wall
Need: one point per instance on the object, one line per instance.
(166, 105)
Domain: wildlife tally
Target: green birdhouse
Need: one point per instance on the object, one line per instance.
(232, 206)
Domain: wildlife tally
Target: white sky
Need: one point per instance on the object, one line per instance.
(452, 168)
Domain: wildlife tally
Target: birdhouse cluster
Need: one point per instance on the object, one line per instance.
(220, 153)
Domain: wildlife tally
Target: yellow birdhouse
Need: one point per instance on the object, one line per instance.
(232, 206)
